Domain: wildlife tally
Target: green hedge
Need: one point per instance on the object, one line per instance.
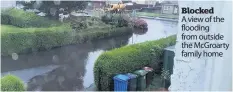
(12, 83)
(127, 59)
(20, 40)
(21, 18)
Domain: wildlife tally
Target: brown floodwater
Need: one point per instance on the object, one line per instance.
(70, 68)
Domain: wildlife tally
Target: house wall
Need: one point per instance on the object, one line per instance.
(205, 73)
(151, 10)
(8, 4)
(150, 2)
(113, 1)
(167, 9)
(139, 1)
(176, 10)
(96, 5)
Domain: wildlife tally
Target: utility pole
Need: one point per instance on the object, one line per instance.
(154, 2)
(147, 3)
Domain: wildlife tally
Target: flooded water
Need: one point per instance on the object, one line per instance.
(70, 68)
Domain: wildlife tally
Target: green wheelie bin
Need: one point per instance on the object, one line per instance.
(141, 79)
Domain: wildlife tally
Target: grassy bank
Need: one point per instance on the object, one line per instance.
(20, 40)
(128, 59)
(170, 16)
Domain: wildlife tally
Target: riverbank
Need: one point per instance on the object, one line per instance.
(163, 17)
(168, 16)
(158, 18)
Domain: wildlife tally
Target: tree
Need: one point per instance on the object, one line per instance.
(51, 8)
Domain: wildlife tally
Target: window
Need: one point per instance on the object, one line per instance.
(166, 7)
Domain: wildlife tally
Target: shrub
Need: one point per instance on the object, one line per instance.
(12, 83)
(19, 40)
(127, 59)
(21, 18)
(82, 23)
(106, 18)
(5, 19)
(114, 19)
(140, 23)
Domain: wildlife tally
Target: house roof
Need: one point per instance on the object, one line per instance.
(113, 1)
(101, 1)
(171, 2)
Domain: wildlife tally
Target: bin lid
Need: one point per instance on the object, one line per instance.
(141, 72)
(131, 76)
(148, 69)
(121, 77)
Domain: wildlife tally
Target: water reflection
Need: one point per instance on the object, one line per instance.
(156, 29)
(72, 60)
(139, 31)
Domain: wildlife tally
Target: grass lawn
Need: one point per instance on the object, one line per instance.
(157, 15)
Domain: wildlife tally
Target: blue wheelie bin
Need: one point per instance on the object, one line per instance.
(121, 82)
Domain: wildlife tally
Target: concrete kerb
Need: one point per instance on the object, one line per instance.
(158, 18)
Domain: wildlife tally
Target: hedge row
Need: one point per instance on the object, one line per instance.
(21, 40)
(12, 83)
(127, 59)
(21, 18)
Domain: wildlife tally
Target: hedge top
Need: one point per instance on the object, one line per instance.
(14, 29)
(12, 83)
(126, 52)
(21, 18)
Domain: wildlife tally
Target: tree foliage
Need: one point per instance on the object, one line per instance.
(51, 8)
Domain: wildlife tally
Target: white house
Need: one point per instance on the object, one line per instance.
(169, 7)
(150, 2)
(205, 73)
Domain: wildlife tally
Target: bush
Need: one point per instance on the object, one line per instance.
(12, 83)
(16, 40)
(140, 23)
(114, 19)
(106, 18)
(21, 40)
(82, 23)
(127, 59)
(21, 18)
